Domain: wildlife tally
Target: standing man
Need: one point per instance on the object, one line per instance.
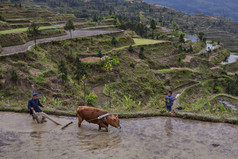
(33, 105)
(169, 101)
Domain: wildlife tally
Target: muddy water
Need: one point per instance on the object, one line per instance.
(148, 138)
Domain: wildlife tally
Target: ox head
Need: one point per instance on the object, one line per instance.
(114, 121)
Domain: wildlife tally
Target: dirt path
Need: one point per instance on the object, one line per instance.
(77, 33)
(215, 67)
(188, 58)
(76, 23)
(213, 55)
(98, 27)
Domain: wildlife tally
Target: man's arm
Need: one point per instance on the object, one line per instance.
(40, 103)
(29, 105)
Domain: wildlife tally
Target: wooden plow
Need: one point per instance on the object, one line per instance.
(49, 118)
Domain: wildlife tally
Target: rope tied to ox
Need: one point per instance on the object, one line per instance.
(100, 117)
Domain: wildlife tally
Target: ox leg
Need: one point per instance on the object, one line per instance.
(101, 124)
(79, 120)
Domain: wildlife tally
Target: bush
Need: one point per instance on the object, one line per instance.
(218, 89)
(115, 60)
(2, 18)
(130, 49)
(14, 76)
(91, 99)
(39, 79)
(141, 53)
(114, 41)
(132, 65)
(100, 53)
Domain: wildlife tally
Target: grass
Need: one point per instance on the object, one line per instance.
(141, 41)
(223, 95)
(18, 30)
(183, 115)
(174, 70)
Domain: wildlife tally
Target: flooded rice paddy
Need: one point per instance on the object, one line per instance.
(155, 138)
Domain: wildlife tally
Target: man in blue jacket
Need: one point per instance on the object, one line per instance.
(33, 104)
(169, 101)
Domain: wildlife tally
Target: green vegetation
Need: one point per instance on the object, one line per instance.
(69, 26)
(153, 27)
(130, 17)
(91, 99)
(18, 30)
(147, 41)
(114, 41)
(222, 56)
(130, 79)
(79, 69)
(209, 7)
(63, 72)
(33, 31)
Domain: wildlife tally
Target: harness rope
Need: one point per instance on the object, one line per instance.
(100, 117)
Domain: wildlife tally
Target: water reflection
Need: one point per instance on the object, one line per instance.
(210, 46)
(160, 137)
(193, 38)
(99, 141)
(168, 127)
(232, 58)
(227, 104)
(36, 137)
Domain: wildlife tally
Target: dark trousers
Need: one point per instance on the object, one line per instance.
(169, 107)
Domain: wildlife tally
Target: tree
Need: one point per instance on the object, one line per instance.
(141, 29)
(108, 69)
(100, 53)
(33, 31)
(114, 41)
(69, 26)
(180, 49)
(2, 18)
(152, 26)
(175, 26)
(83, 83)
(201, 37)
(95, 18)
(130, 49)
(14, 76)
(63, 72)
(91, 99)
(141, 16)
(190, 49)
(118, 24)
(80, 70)
(141, 53)
(181, 38)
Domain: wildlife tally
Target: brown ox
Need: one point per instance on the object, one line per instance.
(91, 115)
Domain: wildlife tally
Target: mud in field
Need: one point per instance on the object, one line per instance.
(154, 138)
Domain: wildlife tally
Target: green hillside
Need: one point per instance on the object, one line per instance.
(218, 29)
(126, 65)
(218, 8)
